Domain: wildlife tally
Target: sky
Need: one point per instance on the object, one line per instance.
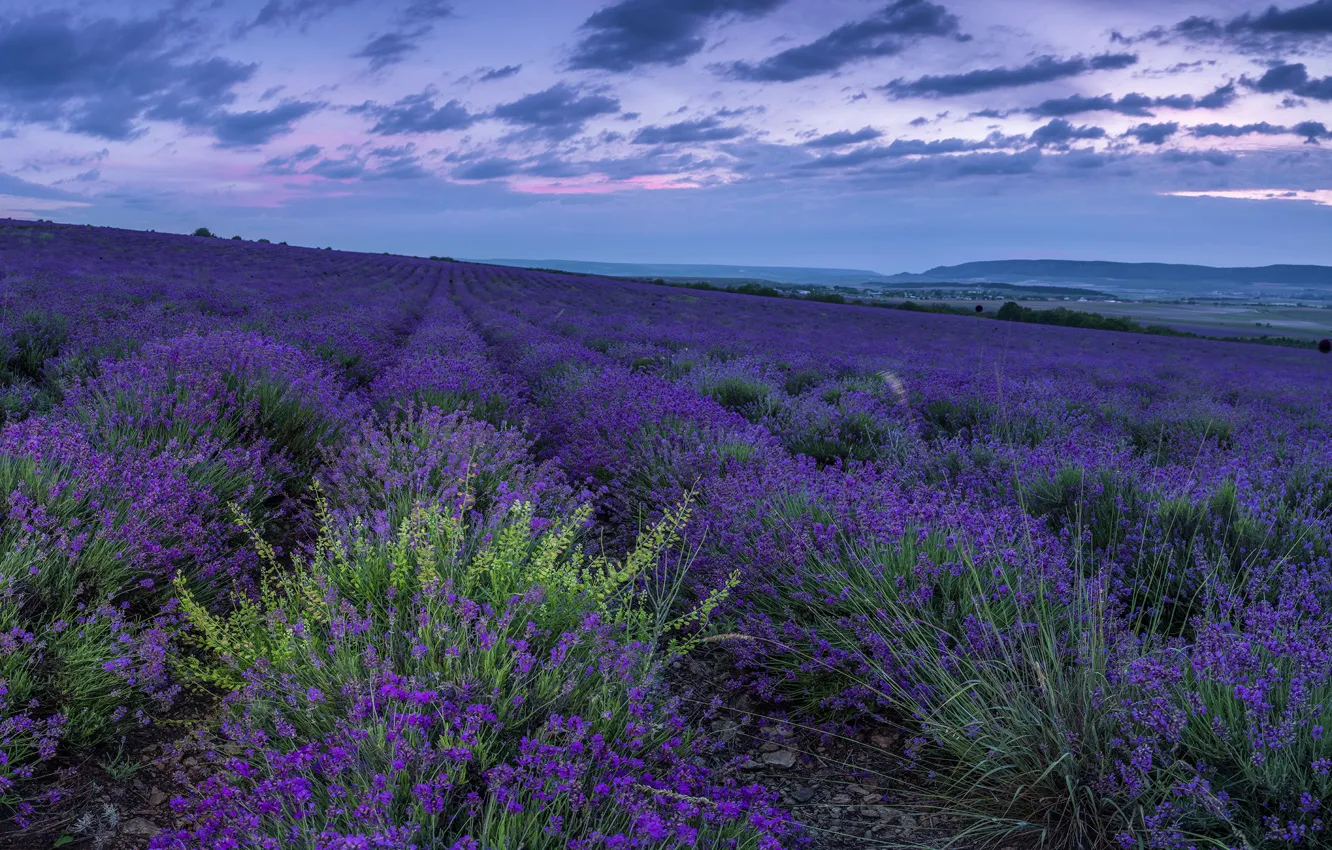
(840, 133)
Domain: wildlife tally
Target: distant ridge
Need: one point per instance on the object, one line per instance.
(1092, 271)
(1134, 280)
(779, 274)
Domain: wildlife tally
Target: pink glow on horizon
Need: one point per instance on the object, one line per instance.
(606, 187)
(13, 206)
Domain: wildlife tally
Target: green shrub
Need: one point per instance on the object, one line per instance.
(1013, 685)
(747, 397)
(949, 417)
(797, 381)
(433, 556)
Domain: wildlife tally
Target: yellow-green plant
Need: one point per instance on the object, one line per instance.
(263, 628)
(434, 546)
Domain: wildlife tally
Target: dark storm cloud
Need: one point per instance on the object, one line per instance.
(702, 130)
(557, 113)
(491, 74)
(1293, 78)
(1134, 104)
(1041, 70)
(845, 137)
(1153, 134)
(635, 33)
(416, 113)
(1060, 132)
(885, 33)
(104, 77)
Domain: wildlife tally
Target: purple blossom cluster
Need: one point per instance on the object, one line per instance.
(1068, 562)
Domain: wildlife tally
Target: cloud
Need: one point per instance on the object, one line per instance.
(1293, 78)
(402, 168)
(555, 168)
(981, 164)
(277, 13)
(1311, 19)
(1234, 130)
(1060, 132)
(1041, 70)
(1322, 197)
(900, 148)
(914, 161)
(702, 130)
(1134, 104)
(1129, 104)
(105, 77)
(391, 47)
(488, 169)
(1153, 134)
(885, 33)
(492, 74)
(1272, 30)
(416, 24)
(845, 137)
(287, 164)
(346, 168)
(18, 187)
(634, 33)
(389, 163)
(1312, 131)
(556, 113)
(258, 127)
(416, 113)
(1213, 157)
(425, 12)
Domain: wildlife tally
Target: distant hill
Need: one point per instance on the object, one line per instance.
(1096, 278)
(1157, 276)
(777, 274)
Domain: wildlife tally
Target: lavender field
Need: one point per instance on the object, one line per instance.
(303, 548)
